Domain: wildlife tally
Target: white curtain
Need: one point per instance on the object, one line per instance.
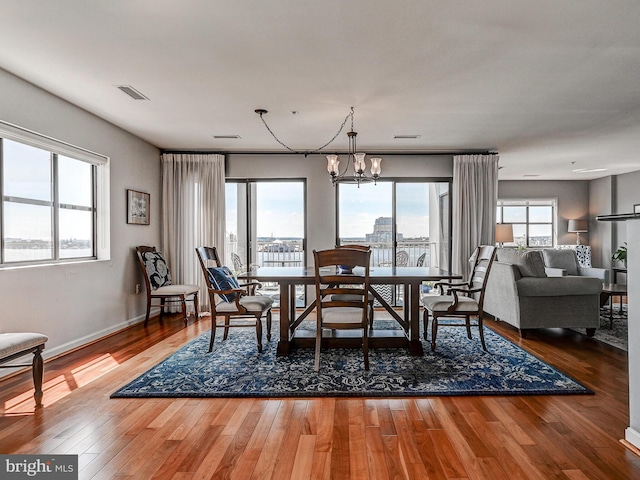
(474, 202)
(193, 213)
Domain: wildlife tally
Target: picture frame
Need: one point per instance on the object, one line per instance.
(636, 208)
(138, 207)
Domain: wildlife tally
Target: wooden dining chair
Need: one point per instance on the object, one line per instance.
(350, 312)
(370, 298)
(232, 300)
(157, 279)
(460, 300)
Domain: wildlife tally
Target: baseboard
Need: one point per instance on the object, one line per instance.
(48, 354)
(632, 440)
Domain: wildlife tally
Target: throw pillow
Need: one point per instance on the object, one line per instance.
(529, 262)
(564, 259)
(157, 269)
(223, 279)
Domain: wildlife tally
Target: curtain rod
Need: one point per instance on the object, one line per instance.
(259, 152)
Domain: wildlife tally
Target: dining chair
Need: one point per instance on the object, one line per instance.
(157, 279)
(236, 301)
(462, 299)
(402, 258)
(370, 298)
(420, 261)
(350, 313)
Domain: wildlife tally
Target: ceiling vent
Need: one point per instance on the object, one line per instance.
(226, 137)
(132, 92)
(406, 137)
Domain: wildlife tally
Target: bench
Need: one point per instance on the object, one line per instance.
(16, 345)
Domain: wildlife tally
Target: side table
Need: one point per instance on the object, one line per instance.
(610, 290)
(616, 271)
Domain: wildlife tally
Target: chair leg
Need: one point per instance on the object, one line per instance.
(371, 311)
(259, 331)
(425, 323)
(434, 332)
(269, 325)
(161, 310)
(146, 318)
(226, 328)
(37, 371)
(213, 332)
(196, 305)
(481, 327)
(183, 303)
(316, 365)
(365, 348)
(467, 321)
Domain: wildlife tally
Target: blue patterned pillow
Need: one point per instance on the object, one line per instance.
(223, 279)
(157, 269)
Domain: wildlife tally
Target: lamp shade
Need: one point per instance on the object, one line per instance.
(577, 226)
(504, 233)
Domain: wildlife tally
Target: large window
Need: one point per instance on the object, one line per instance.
(533, 221)
(49, 201)
(265, 226)
(405, 222)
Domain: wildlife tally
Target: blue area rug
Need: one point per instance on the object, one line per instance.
(459, 366)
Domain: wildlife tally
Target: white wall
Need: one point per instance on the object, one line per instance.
(77, 303)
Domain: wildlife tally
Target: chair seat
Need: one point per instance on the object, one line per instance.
(175, 290)
(342, 315)
(440, 303)
(12, 343)
(257, 303)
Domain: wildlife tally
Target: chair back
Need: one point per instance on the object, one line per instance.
(420, 262)
(330, 282)
(402, 258)
(482, 259)
(162, 275)
(208, 257)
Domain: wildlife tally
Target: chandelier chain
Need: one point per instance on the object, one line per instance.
(317, 150)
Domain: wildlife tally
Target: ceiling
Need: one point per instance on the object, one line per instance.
(552, 86)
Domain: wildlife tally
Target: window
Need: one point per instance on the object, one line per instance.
(266, 226)
(533, 221)
(49, 207)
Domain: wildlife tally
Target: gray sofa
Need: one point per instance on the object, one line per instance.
(520, 293)
(560, 263)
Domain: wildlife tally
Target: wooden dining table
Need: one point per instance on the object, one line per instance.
(410, 278)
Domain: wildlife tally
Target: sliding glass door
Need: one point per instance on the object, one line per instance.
(406, 222)
(266, 226)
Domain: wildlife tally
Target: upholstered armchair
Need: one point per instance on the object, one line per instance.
(563, 263)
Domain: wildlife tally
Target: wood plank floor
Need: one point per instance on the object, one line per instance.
(496, 437)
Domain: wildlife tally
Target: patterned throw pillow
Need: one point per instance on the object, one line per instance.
(157, 269)
(223, 279)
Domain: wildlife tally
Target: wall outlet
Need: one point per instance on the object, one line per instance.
(137, 288)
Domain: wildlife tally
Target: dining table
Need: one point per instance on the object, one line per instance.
(408, 336)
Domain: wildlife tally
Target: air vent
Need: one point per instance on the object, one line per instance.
(132, 92)
(406, 137)
(226, 137)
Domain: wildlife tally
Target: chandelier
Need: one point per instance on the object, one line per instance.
(354, 158)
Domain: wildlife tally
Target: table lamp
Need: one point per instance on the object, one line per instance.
(504, 233)
(577, 227)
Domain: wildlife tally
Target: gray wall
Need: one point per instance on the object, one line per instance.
(75, 303)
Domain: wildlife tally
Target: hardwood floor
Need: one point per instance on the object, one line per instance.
(498, 437)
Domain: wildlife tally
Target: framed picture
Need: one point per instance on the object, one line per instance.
(636, 208)
(138, 207)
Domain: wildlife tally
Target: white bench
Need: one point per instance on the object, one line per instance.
(16, 345)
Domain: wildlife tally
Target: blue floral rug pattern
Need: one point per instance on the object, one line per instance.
(459, 366)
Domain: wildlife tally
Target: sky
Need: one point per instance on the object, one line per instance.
(281, 208)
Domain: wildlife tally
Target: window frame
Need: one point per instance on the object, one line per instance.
(100, 177)
(527, 203)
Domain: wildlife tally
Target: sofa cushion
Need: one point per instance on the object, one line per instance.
(564, 259)
(529, 262)
(559, 287)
